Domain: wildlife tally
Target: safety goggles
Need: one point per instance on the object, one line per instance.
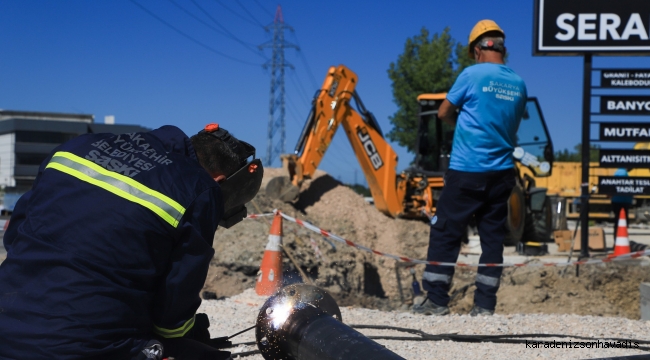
(241, 186)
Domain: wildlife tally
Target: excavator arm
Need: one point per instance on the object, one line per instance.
(377, 159)
(331, 107)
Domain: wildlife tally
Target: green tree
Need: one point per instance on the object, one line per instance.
(429, 64)
(576, 155)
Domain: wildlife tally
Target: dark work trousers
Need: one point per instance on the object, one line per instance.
(484, 195)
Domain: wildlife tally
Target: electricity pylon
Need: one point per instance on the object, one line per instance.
(276, 100)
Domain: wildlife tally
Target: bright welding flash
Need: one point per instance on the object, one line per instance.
(280, 313)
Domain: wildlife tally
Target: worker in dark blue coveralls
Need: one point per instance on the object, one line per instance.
(485, 104)
(107, 253)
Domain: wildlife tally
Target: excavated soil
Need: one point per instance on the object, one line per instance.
(357, 278)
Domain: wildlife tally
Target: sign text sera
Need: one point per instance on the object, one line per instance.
(598, 26)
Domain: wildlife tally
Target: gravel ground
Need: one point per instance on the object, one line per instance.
(230, 315)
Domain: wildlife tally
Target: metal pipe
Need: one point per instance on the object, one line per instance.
(303, 322)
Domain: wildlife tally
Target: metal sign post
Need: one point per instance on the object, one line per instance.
(586, 152)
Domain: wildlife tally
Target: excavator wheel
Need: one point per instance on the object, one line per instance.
(516, 216)
(538, 226)
(281, 188)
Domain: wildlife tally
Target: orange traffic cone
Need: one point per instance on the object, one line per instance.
(270, 275)
(622, 243)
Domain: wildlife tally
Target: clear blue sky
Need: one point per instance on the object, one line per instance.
(114, 58)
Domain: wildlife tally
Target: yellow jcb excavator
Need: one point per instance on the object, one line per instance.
(413, 192)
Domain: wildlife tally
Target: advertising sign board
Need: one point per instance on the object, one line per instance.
(624, 158)
(624, 131)
(624, 185)
(625, 105)
(598, 27)
(595, 26)
(625, 78)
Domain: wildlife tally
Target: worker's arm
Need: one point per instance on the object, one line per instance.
(178, 295)
(457, 96)
(448, 112)
(17, 217)
(19, 214)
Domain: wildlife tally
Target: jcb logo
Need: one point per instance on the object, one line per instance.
(371, 149)
(335, 85)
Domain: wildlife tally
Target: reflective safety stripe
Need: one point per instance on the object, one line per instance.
(431, 276)
(487, 280)
(175, 333)
(120, 185)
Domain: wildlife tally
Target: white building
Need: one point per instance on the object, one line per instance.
(27, 138)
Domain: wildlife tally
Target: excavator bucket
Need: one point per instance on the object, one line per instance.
(281, 188)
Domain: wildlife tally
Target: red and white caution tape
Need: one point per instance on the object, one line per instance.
(329, 235)
(256, 216)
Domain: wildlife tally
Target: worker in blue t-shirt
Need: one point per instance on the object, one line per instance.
(485, 104)
(621, 202)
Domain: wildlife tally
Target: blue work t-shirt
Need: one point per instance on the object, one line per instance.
(492, 99)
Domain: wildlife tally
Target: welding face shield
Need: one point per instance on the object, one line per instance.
(241, 186)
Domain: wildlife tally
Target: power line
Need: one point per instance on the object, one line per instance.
(207, 47)
(263, 8)
(236, 14)
(295, 117)
(213, 28)
(231, 35)
(304, 61)
(345, 157)
(299, 85)
(197, 18)
(249, 14)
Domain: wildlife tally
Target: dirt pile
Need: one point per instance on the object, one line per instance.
(358, 278)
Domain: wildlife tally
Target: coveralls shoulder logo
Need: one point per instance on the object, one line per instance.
(434, 220)
(126, 154)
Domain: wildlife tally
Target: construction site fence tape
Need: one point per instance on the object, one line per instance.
(327, 234)
(256, 216)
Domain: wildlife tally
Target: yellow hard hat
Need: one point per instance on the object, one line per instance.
(482, 27)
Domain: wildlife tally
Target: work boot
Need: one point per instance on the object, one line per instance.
(479, 311)
(428, 307)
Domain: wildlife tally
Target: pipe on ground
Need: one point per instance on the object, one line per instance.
(303, 322)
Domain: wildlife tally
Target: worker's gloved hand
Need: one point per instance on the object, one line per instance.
(199, 331)
(195, 345)
(152, 351)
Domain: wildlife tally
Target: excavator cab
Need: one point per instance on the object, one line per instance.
(435, 137)
(534, 142)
